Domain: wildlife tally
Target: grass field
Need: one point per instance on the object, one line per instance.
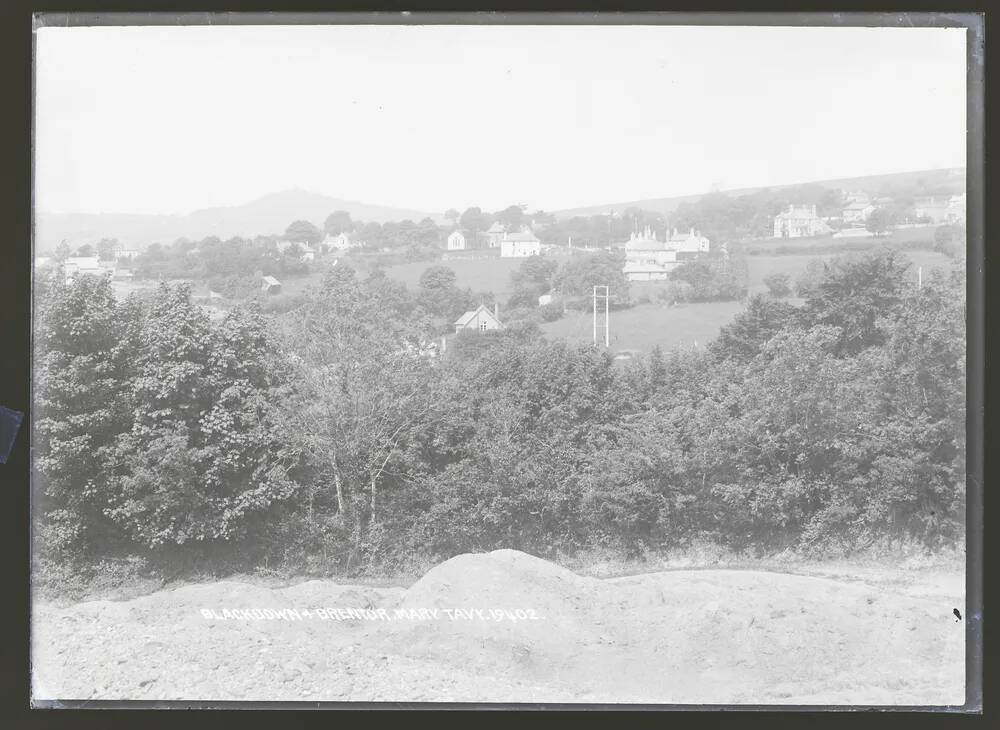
(480, 275)
(642, 327)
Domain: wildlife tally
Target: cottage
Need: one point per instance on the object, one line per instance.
(457, 241)
(517, 245)
(799, 221)
(270, 286)
(480, 319)
(495, 234)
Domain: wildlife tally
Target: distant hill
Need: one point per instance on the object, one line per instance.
(922, 182)
(268, 215)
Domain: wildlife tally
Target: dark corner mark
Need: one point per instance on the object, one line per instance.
(958, 614)
(10, 424)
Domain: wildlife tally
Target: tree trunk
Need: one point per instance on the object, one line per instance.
(340, 489)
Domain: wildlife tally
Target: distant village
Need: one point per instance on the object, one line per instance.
(648, 255)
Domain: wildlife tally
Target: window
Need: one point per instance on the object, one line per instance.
(482, 326)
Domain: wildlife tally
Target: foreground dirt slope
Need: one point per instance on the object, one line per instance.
(543, 634)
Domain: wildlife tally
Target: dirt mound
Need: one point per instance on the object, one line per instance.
(508, 627)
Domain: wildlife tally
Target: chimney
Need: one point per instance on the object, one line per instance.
(692, 231)
(496, 310)
(444, 344)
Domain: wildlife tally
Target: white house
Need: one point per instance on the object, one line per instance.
(517, 245)
(691, 242)
(648, 259)
(342, 242)
(799, 221)
(456, 241)
(479, 319)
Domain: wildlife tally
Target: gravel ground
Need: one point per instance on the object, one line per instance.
(543, 634)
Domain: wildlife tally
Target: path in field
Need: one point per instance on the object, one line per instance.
(687, 636)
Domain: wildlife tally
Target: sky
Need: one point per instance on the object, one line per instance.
(174, 119)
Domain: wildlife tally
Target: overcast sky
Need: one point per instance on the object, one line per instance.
(168, 120)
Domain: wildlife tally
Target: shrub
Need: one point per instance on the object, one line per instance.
(778, 284)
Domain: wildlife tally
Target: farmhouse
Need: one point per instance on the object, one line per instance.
(457, 241)
(799, 221)
(516, 245)
(480, 319)
(269, 285)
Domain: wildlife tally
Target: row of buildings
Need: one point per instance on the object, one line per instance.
(649, 259)
(802, 221)
(512, 244)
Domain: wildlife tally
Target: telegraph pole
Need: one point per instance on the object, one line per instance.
(603, 292)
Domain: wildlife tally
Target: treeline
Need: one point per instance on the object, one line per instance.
(331, 440)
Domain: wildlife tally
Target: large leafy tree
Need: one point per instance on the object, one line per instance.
(530, 280)
(360, 386)
(303, 232)
(85, 344)
(338, 222)
(202, 459)
(854, 294)
(577, 276)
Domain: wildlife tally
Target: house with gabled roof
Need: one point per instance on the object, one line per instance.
(479, 319)
(495, 234)
(270, 285)
(520, 244)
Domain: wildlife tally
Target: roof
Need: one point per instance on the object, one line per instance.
(271, 281)
(857, 206)
(497, 227)
(459, 231)
(634, 267)
(84, 262)
(645, 244)
(469, 316)
(522, 236)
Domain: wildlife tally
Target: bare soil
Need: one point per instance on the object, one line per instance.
(543, 634)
